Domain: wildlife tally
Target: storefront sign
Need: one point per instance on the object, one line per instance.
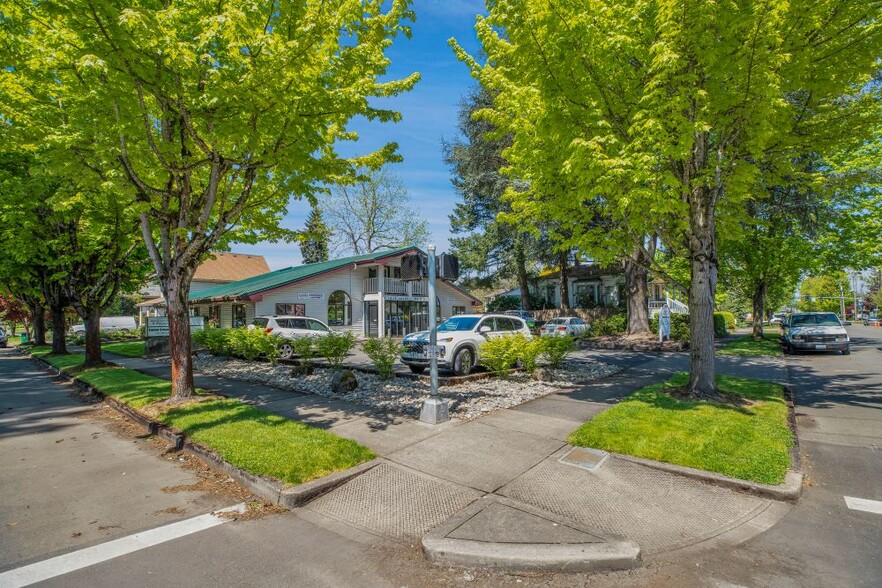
(393, 298)
(157, 326)
(310, 296)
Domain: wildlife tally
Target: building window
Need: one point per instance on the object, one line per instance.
(459, 310)
(212, 316)
(240, 316)
(339, 309)
(290, 309)
(392, 272)
(587, 294)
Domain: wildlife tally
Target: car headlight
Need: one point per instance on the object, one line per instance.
(798, 337)
(445, 340)
(841, 338)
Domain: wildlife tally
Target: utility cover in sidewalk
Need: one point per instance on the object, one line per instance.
(584, 457)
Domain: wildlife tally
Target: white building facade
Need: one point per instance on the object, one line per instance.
(362, 294)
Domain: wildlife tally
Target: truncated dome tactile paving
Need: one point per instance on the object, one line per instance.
(394, 502)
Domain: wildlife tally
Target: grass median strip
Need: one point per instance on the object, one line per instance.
(769, 345)
(251, 439)
(750, 442)
(125, 348)
(263, 443)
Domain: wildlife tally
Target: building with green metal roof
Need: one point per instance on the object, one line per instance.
(363, 294)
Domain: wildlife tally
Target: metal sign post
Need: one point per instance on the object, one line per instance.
(434, 410)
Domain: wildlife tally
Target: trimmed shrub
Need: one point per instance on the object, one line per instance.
(500, 354)
(720, 325)
(556, 349)
(253, 343)
(304, 349)
(335, 347)
(731, 324)
(215, 340)
(383, 352)
(615, 324)
(527, 350)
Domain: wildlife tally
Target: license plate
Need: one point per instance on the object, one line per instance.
(412, 355)
(820, 347)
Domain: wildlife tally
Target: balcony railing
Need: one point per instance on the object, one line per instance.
(419, 288)
(370, 286)
(393, 286)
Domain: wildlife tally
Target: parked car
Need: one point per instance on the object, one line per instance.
(289, 328)
(459, 341)
(563, 326)
(815, 331)
(873, 320)
(3, 339)
(777, 318)
(109, 324)
(525, 316)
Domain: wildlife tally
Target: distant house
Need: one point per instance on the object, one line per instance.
(592, 286)
(362, 294)
(221, 268)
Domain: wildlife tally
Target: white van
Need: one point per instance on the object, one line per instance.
(121, 324)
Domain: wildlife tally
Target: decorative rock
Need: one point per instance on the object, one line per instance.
(302, 370)
(541, 374)
(343, 381)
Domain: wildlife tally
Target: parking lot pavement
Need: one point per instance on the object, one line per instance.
(71, 480)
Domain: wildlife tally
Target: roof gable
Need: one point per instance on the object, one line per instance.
(225, 267)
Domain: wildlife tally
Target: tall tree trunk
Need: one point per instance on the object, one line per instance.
(702, 289)
(564, 278)
(56, 317)
(637, 289)
(92, 319)
(38, 316)
(523, 281)
(759, 300)
(177, 293)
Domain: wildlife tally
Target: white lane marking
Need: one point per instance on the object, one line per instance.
(70, 562)
(863, 504)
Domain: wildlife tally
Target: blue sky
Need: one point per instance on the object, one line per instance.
(428, 115)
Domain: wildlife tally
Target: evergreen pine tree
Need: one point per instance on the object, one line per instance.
(314, 242)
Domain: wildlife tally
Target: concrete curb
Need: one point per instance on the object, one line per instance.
(789, 491)
(609, 554)
(269, 489)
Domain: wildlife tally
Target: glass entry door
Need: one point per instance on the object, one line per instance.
(372, 319)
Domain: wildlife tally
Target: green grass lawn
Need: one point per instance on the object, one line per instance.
(125, 348)
(256, 441)
(770, 345)
(266, 444)
(62, 362)
(749, 442)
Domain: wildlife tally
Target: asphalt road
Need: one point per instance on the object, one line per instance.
(820, 542)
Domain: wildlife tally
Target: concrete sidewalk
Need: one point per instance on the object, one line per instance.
(511, 461)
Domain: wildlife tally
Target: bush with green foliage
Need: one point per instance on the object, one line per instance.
(214, 340)
(335, 347)
(253, 343)
(720, 325)
(615, 324)
(383, 352)
(304, 349)
(500, 354)
(731, 324)
(556, 349)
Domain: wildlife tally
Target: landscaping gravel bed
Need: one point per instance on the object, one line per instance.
(467, 400)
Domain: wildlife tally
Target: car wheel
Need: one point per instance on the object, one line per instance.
(463, 362)
(285, 351)
(846, 351)
(80, 333)
(417, 369)
(786, 348)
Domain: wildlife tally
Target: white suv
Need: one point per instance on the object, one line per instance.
(289, 328)
(459, 341)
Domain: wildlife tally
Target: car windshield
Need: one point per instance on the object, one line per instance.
(815, 320)
(459, 323)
